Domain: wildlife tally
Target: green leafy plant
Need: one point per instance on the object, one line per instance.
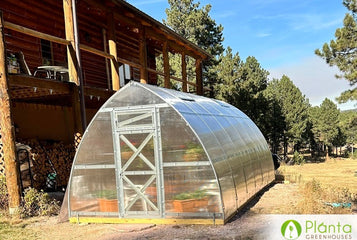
(107, 194)
(298, 158)
(198, 194)
(38, 203)
(194, 148)
(194, 152)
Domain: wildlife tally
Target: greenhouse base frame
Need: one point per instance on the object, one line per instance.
(161, 221)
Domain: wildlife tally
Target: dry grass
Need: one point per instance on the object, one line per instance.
(334, 172)
(15, 228)
(318, 199)
(333, 181)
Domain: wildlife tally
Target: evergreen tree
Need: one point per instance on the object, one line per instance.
(348, 125)
(342, 52)
(227, 86)
(252, 81)
(316, 140)
(325, 122)
(275, 121)
(195, 24)
(294, 108)
(242, 84)
(340, 139)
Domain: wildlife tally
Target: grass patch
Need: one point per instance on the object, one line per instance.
(333, 181)
(34, 203)
(11, 229)
(318, 199)
(336, 172)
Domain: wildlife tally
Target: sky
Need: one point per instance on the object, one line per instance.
(282, 35)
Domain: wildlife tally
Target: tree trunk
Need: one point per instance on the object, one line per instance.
(285, 147)
(7, 131)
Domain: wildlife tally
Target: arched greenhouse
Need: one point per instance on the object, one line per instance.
(157, 155)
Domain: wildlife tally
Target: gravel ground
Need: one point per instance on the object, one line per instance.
(240, 228)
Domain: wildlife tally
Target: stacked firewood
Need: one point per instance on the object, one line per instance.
(50, 158)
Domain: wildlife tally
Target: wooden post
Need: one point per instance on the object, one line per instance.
(199, 83)
(165, 53)
(79, 66)
(76, 110)
(7, 131)
(74, 66)
(184, 72)
(105, 45)
(143, 57)
(113, 51)
(71, 53)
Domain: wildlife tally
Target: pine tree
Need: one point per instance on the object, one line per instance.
(294, 108)
(348, 125)
(195, 24)
(227, 86)
(275, 125)
(342, 52)
(340, 139)
(325, 122)
(252, 81)
(242, 84)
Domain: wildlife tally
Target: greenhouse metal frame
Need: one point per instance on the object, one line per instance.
(161, 156)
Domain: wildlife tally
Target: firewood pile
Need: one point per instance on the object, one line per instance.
(48, 158)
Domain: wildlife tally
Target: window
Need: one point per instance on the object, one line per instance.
(46, 51)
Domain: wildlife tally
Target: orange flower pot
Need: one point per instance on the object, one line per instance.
(108, 205)
(184, 205)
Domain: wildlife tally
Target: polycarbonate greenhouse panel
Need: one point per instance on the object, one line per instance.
(155, 153)
(134, 96)
(97, 148)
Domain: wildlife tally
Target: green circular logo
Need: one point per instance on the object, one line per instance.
(291, 229)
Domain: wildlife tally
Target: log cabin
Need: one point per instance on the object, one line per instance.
(61, 60)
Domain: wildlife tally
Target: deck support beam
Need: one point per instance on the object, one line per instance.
(71, 53)
(199, 82)
(114, 66)
(76, 110)
(143, 57)
(165, 54)
(74, 67)
(184, 72)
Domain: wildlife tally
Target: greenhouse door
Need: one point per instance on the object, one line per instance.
(138, 162)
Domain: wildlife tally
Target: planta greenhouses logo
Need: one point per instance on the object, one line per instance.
(291, 229)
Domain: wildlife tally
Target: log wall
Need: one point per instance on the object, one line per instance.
(42, 16)
(47, 17)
